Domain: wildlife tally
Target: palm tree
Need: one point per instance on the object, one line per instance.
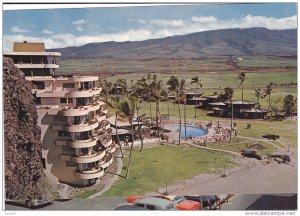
(138, 107)
(268, 91)
(173, 83)
(144, 85)
(134, 95)
(242, 76)
(106, 87)
(165, 95)
(127, 109)
(258, 94)
(115, 106)
(198, 83)
(289, 105)
(179, 95)
(122, 83)
(155, 92)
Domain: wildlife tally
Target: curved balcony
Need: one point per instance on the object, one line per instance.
(85, 93)
(68, 93)
(106, 142)
(84, 158)
(24, 66)
(112, 148)
(92, 124)
(82, 143)
(107, 161)
(101, 117)
(83, 110)
(90, 174)
(100, 134)
(104, 111)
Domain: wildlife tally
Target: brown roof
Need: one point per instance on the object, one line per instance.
(217, 104)
(211, 96)
(239, 102)
(29, 47)
(254, 110)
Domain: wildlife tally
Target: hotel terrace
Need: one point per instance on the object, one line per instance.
(75, 134)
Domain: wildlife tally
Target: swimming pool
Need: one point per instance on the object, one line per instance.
(191, 131)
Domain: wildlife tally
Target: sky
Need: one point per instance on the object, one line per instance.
(59, 28)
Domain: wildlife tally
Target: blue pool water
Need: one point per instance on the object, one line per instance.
(191, 131)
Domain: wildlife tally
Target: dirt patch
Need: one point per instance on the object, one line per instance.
(257, 147)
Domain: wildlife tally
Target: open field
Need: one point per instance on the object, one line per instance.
(217, 80)
(215, 64)
(154, 167)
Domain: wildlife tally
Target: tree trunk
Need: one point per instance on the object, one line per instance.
(130, 153)
(140, 133)
(184, 116)
(269, 102)
(118, 138)
(179, 122)
(157, 116)
(150, 107)
(168, 108)
(242, 92)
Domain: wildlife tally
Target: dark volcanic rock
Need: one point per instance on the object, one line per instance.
(24, 177)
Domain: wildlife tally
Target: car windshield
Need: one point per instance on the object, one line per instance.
(179, 199)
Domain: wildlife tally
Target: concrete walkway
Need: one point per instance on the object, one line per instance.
(111, 181)
(214, 149)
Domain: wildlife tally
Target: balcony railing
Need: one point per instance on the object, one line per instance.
(106, 161)
(112, 148)
(95, 172)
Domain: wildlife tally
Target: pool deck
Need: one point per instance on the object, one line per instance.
(215, 133)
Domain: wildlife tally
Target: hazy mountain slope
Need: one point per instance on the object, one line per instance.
(218, 42)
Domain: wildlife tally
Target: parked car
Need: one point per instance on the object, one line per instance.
(251, 154)
(33, 203)
(182, 203)
(206, 201)
(154, 203)
(128, 207)
(133, 199)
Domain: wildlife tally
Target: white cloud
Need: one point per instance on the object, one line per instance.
(64, 40)
(203, 19)
(165, 22)
(46, 31)
(16, 29)
(151, 32)
(162, 22)
(79, 22)
(79, 28)
(142, 21)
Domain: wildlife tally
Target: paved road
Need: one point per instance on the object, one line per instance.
(262, 202)
(75, 204)
(238, 202)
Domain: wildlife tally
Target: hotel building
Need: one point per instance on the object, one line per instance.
(76, 138)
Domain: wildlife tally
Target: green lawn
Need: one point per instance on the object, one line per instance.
(269, 61)
(216, 80)
(153, 168)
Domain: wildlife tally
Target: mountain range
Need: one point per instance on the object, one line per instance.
(252, 41)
